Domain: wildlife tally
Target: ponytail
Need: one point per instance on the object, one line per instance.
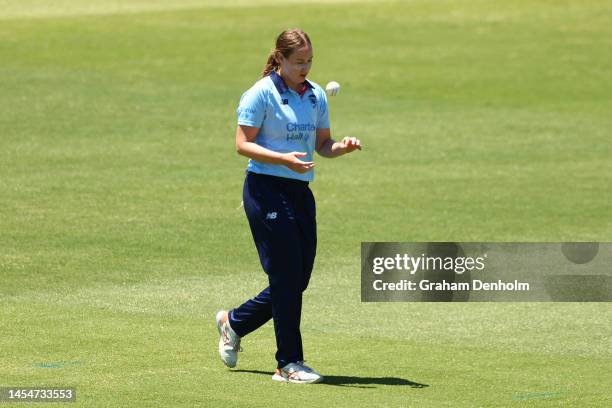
(271, 65)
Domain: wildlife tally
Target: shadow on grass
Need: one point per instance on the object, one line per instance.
(352, 381)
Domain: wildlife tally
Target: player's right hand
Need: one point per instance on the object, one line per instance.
(292, 160)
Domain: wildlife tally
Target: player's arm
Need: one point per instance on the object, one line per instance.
(328, 147)
(246, 146)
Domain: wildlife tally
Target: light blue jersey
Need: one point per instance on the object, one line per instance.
(287, 122)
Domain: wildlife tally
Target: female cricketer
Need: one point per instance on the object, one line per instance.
(282, 120)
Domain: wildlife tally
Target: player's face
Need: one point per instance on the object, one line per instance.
(296, 67)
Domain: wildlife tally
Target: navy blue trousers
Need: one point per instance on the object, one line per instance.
(282, 217)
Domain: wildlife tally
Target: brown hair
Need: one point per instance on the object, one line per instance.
(286, 42)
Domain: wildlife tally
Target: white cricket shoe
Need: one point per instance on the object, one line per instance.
(297, 373)
(229, 342)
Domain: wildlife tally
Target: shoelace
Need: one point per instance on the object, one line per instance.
(226, 340)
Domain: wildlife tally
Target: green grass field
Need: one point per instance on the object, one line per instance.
(121, 236)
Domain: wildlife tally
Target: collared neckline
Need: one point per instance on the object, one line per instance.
(280, 84)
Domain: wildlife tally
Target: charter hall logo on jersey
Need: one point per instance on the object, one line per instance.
(299, 131)
(300, 127)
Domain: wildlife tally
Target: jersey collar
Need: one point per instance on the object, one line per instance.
(280, 84)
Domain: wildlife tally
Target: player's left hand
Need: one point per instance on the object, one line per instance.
(350, 144)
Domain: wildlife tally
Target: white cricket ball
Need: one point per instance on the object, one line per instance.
(332, 88)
